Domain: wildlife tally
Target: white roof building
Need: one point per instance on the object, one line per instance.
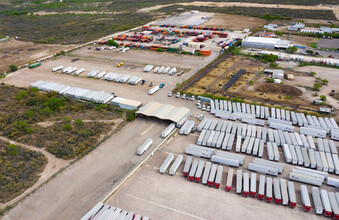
(265, 43)
(165, 112)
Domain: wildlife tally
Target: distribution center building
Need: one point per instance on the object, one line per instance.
(265, 43)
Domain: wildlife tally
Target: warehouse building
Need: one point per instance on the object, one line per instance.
(127, 104)
(165, 112)
(265, 43)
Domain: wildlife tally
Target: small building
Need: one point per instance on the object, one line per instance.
(276, 74)
(127, 104)
(290, 76)
(269, 34)
(296, 27)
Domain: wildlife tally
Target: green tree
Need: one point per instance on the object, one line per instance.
(112, 43)
(13, 67)
(317, 86)
(323, 98)
(292, 49)
(251, 82)
(130, 115)
(278, 33)
(21, 95)
(54, 103)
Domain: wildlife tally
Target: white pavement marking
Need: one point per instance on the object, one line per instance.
(166, 207)
(147, 130)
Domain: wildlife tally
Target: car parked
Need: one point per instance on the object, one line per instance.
(170, 94)
(178, 94)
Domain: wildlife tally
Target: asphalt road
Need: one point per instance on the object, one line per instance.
(76, 190)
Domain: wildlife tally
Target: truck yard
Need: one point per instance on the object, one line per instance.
(216, 109)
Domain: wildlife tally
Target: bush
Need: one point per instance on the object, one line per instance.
(292, 49)
(112, 43)
(12, 150)
(21, 95)
(13, 67)
(323, 98)
(79, 122)
(310, 51)
(317, 86)
(46, 112)
(198, 53)
(54, 103)
(313, 73)
(130, 115)
(287, 97)
(278, 33)
(273, 65)
(270, 80)
(67, 127)
(251, 82)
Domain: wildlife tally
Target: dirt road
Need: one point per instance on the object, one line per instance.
(74, 191)
(54, 164)
(335, 8)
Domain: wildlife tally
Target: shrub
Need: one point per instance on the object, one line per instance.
(270, 80)
(13, 67)
(29, 114)
(287, 97)
(21, 95)
(67, 120)
(317, 86)
(112, 43)
(130, 115)
(33, 89)
(322, 97)
(46, 112)
(198, 53)
(273, 65)
(313, 73)
(79, 122)
(54, 103)
(278, 33)
(292, 49)
(67, 127)
(12, 150)
(251, 82)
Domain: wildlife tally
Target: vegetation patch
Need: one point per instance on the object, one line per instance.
(282, 89)
(24, 111)
(19, 170)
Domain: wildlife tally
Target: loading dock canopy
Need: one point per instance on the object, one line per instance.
(165, 112)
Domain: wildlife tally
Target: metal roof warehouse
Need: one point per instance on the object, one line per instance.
(165, 112)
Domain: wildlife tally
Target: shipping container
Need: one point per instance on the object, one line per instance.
(206, 173)
(305, 198)
(175, 165)
(284, 193)
(166, 163)
(144, 146)
(198, 173)
(218, 177)
(269, 193)
(318, 206)
(187, 166)
(326, 202)
(211, 177)
(229, 179)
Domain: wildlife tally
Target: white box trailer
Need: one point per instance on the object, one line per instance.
(176, 165)
(262, 112)
(249, 131)
(298, 139)
(220, 139)
(57, 68)
(260, 168)
(224, 143)
(245, 144)
(202, 124)
(326, 202)
(197, 151)
(303, 117)
(246, 184)
(193, 170)
(287, 137)
(305, 198)
(311, 174)
(239, 129)
(256, 147)
(234, 128)
(264, 134)
(333, 147)
(293, 154)
(244, 131)
(284, 193)
(334, 123)
(238, 144)
(304, 141)
(326, 146)
(328, 123)
(283, 114)
(333, 182)
(321, 173)
(329, 162)
(210, 139)
(270, 135)
(250, 145)
(204, 140)
(234, 107)
(281, 127)
(305, 157)
(278, 113)
(213, 124)
(316, 121)
(273, 112)
(291, 194)
(239, 182)
(293, 139)
(313, 132)
(230, 142)
(200, 168)
(229, 179)
(211, 177)
(317, 204)
(218, 177)
(259, 132)
(287, 115)
(261, 190)
(224, 126)
(310, 141)
(299, 119)
(257, 111)
(322, 122)
(270, 120)
(229, 127)
(299, 155)
(303, 178)
(269, 189)
(279, 166)
(144, 146)
(276, 137)
(225, 160)
(324, 161)
(168, 130)
(153, 90)
(267, 112)
(219, 125)
(200, 138)
(334, 205)
(275, 151)
(248, 109)
(270, 153)
(253, 187)
(261, 148)
(206, 173)
(187, 166)
(294, 118)
(310, 120)
(276, 190)
(320, 144)
(287, 153)
(93, 211)
(335, 135)
(335, 163)
(253, 121)
(313, 161)
(166, 163)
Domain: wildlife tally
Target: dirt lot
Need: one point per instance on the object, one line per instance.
(234, 22)
(328, 43)
(161, 196)
(20, 52)
(300, 40)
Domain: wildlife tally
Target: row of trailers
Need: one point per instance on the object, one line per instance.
(269, 189)
(277, 118)
(106, 212)
(161, 70)
(250, 139)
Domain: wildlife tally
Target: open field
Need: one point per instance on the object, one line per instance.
(161, 196)
(19, 52)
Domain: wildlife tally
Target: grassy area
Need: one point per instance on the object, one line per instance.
(317, 64)
(19, 170)
(23, 113)
(266, 13)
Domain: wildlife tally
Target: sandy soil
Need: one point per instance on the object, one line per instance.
(20, 52)
(234, 22)
(54, 164)
(330, 74)
(335, 8)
